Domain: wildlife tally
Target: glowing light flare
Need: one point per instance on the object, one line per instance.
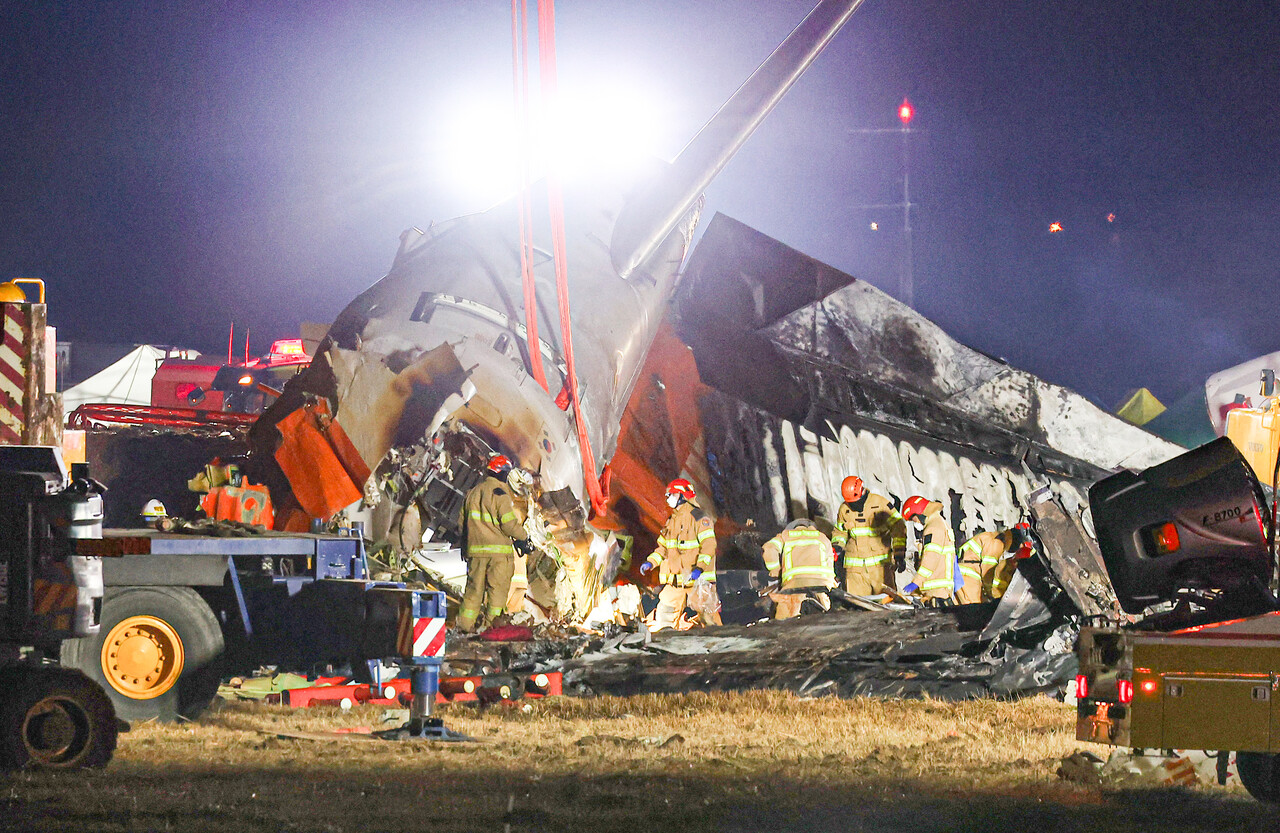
(906, 112)
(875, 226)
(1148, 686)
(1054, 228)
(1111, 218)
(480, 147)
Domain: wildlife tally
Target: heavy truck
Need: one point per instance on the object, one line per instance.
(50, 590)
(1190, 548)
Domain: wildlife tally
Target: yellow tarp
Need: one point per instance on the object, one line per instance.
(1140, 407)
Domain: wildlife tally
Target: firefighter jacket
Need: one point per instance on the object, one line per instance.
(978, 555)
(492, 520)
(998, 565)
(687, 540)
(800, 556)
(868, 531)
(936, 574)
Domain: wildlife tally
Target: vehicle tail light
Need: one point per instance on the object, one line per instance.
(1082, 687)
(1125, 688)
(1165, 538)
(1148, 686)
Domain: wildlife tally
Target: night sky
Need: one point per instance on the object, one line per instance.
(171, 167)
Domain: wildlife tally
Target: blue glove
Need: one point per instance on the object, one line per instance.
(646, 567)
(696, 574)
(910, 588)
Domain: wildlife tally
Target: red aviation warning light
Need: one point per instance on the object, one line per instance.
(906, 112)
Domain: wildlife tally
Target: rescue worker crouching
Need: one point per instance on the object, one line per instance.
(685, 552)
(494, 532)
(868, 530)
(935, 574)
(801, 559)
(1001, 552)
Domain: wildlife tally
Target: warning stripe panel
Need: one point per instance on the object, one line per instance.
(428, 638)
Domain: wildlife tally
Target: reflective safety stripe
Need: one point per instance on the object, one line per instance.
(705, 534)
(709, 575)
(969, 571)
(869, 561)
(816, 572)
(705, 558)
(485, 517)
(863, 532)
(491, 549)
(938, 583)
(495, 610)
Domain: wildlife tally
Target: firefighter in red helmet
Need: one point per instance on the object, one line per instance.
(686, 552)
(936, 566)
(870, 538)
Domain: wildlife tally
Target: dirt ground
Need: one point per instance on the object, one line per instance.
(735, 762)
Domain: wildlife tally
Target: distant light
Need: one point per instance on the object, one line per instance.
(875, 226)
(1111, 218)
(906, 112)
(246, 380)
(1054, 228)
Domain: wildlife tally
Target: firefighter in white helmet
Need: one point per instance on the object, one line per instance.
(800, 558)
(686, 551)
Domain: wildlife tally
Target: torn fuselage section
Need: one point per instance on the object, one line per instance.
(428, 372)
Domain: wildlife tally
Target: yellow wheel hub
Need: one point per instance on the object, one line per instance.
(142, 657)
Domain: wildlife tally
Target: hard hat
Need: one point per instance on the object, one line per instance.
(499, 464)
(681, 487)
(851, 488)
(913, 506)
(154, 510)
(11, 293)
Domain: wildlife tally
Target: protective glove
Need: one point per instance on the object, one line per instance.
(695, 575)
(910, 588)
(523, 546)
(1024, 551)
(646, 567)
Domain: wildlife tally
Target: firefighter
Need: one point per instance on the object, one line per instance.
(974, 556)
(1000, 562)
(494, 532)
(868, 531)
(801, 559)
(686, 551)
(936, 571)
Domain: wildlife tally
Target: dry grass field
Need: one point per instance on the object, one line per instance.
(732, 762)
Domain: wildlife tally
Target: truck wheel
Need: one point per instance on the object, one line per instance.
(55, 718)
(157, 654)
(1260, 774)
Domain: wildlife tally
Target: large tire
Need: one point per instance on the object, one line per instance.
(55, 718)
(1260, 774)
(158, 653)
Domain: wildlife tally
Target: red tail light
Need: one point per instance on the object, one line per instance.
(1166, 538)
(1082, 687)
(1149, 686)
(1125, 688)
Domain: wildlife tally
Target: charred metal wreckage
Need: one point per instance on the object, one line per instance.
(803, 375)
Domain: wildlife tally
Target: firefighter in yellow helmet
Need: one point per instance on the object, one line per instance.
(871, 537)
(686, 551)
(494, 532)
(936, 569)
(801, 559)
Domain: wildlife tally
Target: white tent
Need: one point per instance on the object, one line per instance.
(126, 382)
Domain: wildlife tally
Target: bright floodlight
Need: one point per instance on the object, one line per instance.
(596, 130)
